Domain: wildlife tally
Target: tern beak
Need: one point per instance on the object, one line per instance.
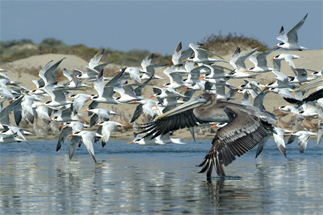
(70, 135)
(214, 126)
(96, 124)
(152, 96)
(89, 99)
(162, 86)
(154, 105)
(263, 87)
(86, 110)
(131, 142)
(82, 79)
(42, 105)
(275, 46)
(62, 125)
(118, 71)
(75, 77)
(247, 70)
(11, 100)
(51, 120)
(185, 60)
(135, 101)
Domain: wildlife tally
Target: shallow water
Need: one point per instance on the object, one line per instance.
(130, 179)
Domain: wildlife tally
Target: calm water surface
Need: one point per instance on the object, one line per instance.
(130, 179)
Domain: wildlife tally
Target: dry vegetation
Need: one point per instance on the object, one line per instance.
(14, 50)
(224, 45)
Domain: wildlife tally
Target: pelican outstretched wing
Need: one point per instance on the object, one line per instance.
(171, 123)
(235, 139)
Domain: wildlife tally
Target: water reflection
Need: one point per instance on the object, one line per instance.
(42, 182)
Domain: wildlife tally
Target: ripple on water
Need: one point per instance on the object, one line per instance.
(162, 179)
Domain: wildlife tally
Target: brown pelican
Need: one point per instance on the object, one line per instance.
(246, 127)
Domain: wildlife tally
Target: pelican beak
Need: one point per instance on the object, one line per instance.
(184, 107)
(131, 142)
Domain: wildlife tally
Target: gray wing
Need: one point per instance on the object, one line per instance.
(62, 137)
(146, 62)
(94, 119)
(48, 75)
(75, 141)
(177, 54)
(5, 112)
(171, 123)
(137, 113)
(282, 36)
(240, 61)
(96, 59)
(292, 34)
(235, 57)
(87, 140)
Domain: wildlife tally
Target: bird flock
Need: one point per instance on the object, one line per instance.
(171, 106)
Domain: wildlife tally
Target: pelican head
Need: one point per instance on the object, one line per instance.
(193, 103)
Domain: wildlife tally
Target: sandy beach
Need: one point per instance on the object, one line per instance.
(18, 71)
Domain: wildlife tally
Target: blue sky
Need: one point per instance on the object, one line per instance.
(157, 26)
